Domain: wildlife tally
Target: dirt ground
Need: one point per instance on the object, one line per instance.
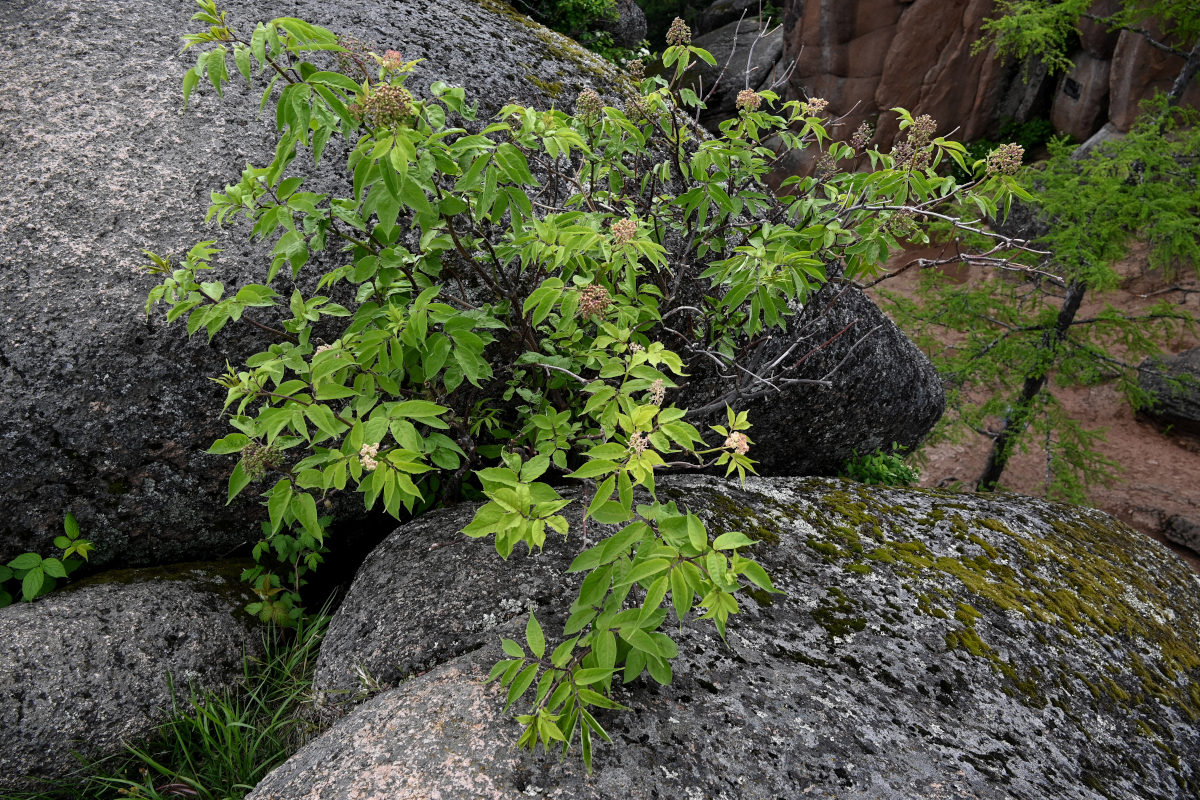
(1160, 473)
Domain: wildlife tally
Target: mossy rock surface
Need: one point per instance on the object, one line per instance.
(929, 644)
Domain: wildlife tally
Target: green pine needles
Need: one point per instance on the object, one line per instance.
(1003, 341)
(513, 309)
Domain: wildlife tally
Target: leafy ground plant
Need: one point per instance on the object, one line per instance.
(886, 468)
(215, 745)
(38, 575)
(513, 307)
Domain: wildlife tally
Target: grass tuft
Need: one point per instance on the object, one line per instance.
(216, 745)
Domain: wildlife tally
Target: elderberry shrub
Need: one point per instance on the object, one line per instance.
(520, 308)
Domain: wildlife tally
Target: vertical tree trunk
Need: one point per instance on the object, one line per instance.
(1017, 418)
(1190, 65)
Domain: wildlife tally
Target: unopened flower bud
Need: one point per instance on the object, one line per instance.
(814, 106)
(1005, 159)
(392, 60)
(588, 105)
(748, 100)
(385, 106)
(258, 458)
(636, 70)
(594, 300)
(862, 136)
(623, 231)
(679, 33)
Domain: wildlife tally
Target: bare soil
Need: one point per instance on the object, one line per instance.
(1159, 471)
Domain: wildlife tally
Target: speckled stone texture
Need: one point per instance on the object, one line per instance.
(883, 389)
(929, 645)
(106, 413)
(85, 668)
(744, 61)
(1177, 406)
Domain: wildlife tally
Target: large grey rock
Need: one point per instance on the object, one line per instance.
(105, 413)
(723, 12)
(883, 389)
(86, 668)
(1183, 531)
(628, 28)
(929, 645)
(1174, 382)
(744, 61)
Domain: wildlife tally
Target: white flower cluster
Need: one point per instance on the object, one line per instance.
(657, 392)
(738, 443)
(366, 456)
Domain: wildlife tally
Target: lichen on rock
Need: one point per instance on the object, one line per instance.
(928, 644)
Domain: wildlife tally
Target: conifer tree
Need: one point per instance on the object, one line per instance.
(1015, 338)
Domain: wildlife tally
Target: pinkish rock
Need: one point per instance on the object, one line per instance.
(1139, 70)
(1095, 39)
(873, 55)
(1081, 100)
(869, 56)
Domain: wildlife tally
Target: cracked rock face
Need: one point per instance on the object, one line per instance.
(106, 413)
(929, 645)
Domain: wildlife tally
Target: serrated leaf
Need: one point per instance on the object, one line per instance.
(238, 480)
(304, 508)
(512, 648)
(498, 669)
(757, 575)
(681, 594)
(233, 443)
(26, 561)
(31, 584)
(594, 468)
(562, 653)
(644, 570)
(585, 677)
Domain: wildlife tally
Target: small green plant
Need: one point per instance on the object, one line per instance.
(519, 303)
(886, 468)
(582, 20)
(38, 575)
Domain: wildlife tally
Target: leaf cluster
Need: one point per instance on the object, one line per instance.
(39, 575)
(883, 467)
(1047, 29)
